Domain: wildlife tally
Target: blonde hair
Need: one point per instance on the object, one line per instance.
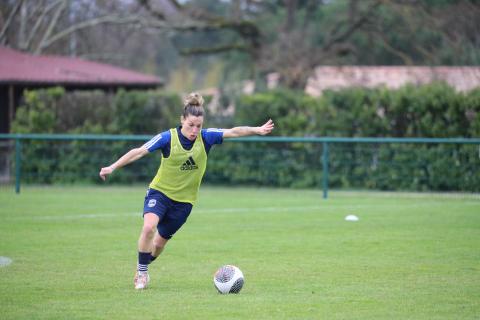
(193, 105)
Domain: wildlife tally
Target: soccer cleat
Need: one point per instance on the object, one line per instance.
(141, 280)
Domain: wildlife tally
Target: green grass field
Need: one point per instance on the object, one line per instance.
(411, 256)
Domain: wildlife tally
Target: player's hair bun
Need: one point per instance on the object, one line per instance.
(194, 99)
(193, 105)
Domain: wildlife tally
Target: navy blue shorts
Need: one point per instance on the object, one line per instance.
(172, 214)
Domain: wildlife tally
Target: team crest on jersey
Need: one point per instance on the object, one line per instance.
(189, 165)
(152, 203)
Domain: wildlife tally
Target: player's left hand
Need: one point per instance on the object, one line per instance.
(266, 128)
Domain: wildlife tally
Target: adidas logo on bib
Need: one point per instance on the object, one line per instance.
(189, 165)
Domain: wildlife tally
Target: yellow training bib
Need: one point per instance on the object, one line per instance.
(180, 175)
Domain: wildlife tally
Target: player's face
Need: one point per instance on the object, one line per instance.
(191, 126)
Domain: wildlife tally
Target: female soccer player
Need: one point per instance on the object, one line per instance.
(174, 189)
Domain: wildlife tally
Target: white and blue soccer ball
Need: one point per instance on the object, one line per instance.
(228, 279)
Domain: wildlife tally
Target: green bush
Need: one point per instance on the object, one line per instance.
(434, 110)
(89, 112)
(139, 112)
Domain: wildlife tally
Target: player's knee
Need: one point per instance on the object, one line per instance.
(148, 230)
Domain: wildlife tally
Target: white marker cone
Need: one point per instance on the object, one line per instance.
(351, 217)
(5, 261)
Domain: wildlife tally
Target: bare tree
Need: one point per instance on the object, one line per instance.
(35, 26)
(293, 48)
(183, 18)
(295, 57)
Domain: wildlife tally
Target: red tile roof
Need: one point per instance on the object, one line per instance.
(18, 67)
(331, 77)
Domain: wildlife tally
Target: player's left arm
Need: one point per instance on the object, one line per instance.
(249, 131)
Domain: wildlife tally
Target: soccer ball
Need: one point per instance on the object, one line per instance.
(228, 279)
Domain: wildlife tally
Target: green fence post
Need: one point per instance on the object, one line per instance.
(325, 170)
(18, 164)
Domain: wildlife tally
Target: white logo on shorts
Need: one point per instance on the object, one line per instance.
(152, 203)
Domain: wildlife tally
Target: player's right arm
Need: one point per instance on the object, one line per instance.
(160, 141)
(129, 157)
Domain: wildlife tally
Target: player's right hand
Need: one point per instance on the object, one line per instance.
(104, 172)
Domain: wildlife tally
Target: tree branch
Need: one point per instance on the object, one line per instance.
(405, 58)
(9, 21)
(213, 50)
(35, 28)
(52, 24)
(148, 6)
(352, 28)
(90, 23)
(199, 20)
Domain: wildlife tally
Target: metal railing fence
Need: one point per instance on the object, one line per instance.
(444, 164)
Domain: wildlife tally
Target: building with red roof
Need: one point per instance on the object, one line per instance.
(20, 71)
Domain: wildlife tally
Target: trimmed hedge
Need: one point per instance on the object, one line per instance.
(94, 112)
(434, 110)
